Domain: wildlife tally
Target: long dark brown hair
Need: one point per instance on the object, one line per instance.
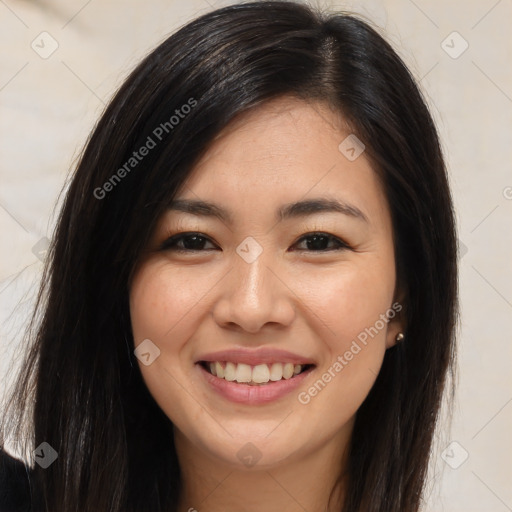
(80, 389)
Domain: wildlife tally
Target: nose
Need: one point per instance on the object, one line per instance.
(253, 295)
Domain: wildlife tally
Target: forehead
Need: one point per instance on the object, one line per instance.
(280, 152)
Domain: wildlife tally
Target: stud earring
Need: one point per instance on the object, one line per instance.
(399, 337)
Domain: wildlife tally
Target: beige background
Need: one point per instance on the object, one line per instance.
(49, 105)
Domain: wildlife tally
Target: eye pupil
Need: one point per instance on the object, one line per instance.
(317, 242)
(193, 242)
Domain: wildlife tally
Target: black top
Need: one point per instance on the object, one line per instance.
(14, 484)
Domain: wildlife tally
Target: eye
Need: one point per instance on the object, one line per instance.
(315, 242)
(191, 242)
(318, 242)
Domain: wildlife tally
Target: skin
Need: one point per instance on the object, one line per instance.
(308, 301)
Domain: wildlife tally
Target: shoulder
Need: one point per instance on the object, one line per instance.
(14, 484)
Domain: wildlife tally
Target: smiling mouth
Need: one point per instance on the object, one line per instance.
(258, 375)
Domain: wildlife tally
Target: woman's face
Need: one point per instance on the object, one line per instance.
(256, 296)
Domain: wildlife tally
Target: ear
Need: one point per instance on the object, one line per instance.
(396, 323)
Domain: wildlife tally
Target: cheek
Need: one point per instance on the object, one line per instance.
(160, 299)
(350, 299)
(164, 306)
(352, 303)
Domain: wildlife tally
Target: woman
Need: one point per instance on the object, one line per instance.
(251, 294)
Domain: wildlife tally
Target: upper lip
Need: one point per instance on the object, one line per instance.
(255, 356)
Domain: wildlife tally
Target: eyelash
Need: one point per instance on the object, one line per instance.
(170, 243)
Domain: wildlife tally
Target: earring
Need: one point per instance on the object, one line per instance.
(399, 337)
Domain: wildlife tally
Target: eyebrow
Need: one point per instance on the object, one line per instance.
(287, 211)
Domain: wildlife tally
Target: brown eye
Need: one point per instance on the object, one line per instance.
(185, 242)
(314, 242)
(319, 242)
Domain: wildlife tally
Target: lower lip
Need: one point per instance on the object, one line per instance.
(253, 395)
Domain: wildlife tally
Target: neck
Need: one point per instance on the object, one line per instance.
(306, 484)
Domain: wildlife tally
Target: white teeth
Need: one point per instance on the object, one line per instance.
(230, 372)
(259, 374)
(243, 373)
(219, 370)
(276, 372)
(288, 370)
